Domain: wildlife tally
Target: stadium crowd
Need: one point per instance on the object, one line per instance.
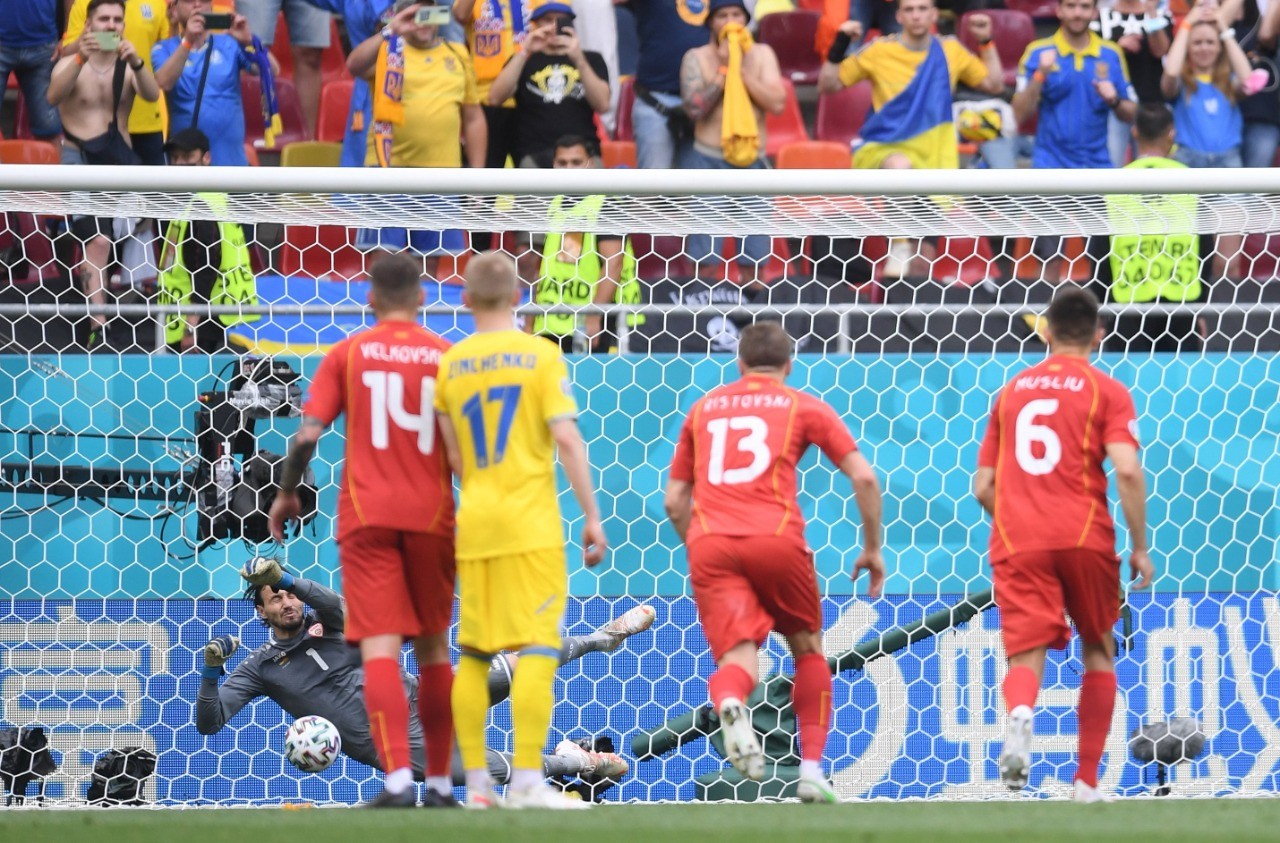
(690, 84)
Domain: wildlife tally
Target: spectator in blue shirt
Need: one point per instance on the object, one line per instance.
(1072, 81)
(29, 38)
(1205, 77)
(667, 29)
(201, 73)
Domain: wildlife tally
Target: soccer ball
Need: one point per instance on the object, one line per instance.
(312, 743)
(979, 125)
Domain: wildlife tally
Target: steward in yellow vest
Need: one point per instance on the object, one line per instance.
(574, 265)
(1148, 261)
(204, 262)
(1155, 252)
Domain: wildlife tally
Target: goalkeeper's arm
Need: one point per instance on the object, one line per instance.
(327, 603)
(216, 705)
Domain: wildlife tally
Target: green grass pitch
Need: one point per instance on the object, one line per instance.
(1132, 821)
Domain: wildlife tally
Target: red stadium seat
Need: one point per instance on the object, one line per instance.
(21, 122)
(623, 131)
(791, 34)
(335, 104)
(787, 127)
(291, 119)
(27, 151)
(815, 155)
(841, 115)
(964, 260)
(1012, 31)
(324, 253)
(617, 153)
(333, 64)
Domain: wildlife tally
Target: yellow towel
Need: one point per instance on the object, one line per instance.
(739, 132)
(388, 110)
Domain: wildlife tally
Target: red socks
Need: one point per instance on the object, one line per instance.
(388, 713)
(435, 685)
(1097, 700)
(811, 698)
(729, 681)
(1020, 688)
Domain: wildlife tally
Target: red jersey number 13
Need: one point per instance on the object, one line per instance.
(754, 443)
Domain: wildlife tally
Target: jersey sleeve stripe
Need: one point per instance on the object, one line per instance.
(1000, 457)
(1084, 456)
(788, 504)
(348, 464)
(697, 510)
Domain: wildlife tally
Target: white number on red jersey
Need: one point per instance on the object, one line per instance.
(1027, 433)
(754, 443)
(386, 405)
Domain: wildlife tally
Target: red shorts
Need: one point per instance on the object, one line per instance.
(1036, 590)
(396, 583)
(746, 586)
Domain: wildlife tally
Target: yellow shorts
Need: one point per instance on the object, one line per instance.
(924, 153)
(510, 602)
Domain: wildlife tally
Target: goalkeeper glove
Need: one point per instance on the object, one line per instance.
(263, 570)
(216, 653)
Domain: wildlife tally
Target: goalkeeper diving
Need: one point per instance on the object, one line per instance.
(307, 668)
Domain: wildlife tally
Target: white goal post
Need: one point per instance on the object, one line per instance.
(106, 604)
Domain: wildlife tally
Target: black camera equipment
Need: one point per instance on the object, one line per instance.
(231, 502)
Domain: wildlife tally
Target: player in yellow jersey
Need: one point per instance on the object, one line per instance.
(505, 406)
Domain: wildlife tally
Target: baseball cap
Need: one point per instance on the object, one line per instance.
(716, 5)
(548, 8)
(187, 140)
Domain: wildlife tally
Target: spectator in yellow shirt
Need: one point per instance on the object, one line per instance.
(440, 103)
(146, 22)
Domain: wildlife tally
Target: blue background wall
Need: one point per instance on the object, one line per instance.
(1209, 423)
(926, 722)
(99, 631)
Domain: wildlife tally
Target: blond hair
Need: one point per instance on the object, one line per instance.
(491, 281)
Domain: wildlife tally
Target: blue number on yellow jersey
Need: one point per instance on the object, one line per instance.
(501, 391)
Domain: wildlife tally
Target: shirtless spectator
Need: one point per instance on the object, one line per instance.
(93, 87)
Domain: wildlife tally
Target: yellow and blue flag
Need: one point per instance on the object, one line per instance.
(916, 122)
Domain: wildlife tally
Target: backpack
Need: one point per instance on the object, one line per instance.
(24, 755)
(118, 776)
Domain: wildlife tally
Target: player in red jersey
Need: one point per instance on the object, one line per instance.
(1053, 544)
(395, 520)
(732, 499)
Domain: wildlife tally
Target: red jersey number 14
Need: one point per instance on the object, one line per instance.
(386, 407)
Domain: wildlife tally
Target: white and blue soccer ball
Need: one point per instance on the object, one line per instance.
(312, 743)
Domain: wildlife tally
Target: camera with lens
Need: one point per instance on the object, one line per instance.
(233, 500)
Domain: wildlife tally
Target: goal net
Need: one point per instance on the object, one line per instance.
(913, 297)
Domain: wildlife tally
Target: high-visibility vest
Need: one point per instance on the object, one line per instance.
(234, 285)
(571, 268)
(1150, 261)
